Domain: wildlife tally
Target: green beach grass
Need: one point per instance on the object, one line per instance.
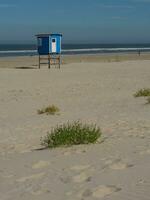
(145, 92)
(71, 134)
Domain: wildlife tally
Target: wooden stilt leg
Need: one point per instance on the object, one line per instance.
(39, 61)
(49, 61)
(59, 61)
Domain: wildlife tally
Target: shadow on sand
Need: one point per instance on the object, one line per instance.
(40, 149)
(26, 67)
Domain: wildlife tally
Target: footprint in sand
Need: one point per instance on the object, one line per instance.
(99, 192)
(82, 177)
(39, 192)
(103, 191)
(141, 182)
(120, 166)
(41, 164)
(65, 179)
(32, 177)
(80, 167)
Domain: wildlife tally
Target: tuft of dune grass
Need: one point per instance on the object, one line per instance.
(71, 134)
(49, 110)
(145, 92)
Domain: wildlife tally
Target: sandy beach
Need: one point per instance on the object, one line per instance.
(92, 89)
(31, 62)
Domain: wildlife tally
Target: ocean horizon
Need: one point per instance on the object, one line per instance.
(70, 49)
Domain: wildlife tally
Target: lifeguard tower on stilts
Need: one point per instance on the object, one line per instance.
(49, 48)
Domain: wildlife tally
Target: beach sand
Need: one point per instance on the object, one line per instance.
(31, 62)
(93, 90)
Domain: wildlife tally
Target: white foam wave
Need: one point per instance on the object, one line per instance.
(80, 50)
(18, 51)
(107, 49)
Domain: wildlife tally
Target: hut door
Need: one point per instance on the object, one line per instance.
(53, 45)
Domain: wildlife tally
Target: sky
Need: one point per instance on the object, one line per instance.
(80, 21)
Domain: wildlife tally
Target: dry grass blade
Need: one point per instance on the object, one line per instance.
(50, 110)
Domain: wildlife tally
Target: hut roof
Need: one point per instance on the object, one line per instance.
(48, 34)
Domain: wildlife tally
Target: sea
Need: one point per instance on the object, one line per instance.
(71, 49)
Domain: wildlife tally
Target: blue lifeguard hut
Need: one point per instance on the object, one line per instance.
(49, 45)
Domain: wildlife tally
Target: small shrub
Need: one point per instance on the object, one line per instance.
(71, 134)
(142, 92)
(50, 110)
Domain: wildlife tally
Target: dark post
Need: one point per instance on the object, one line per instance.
(39, 61)
(59, 61)
(139, 52)
(49, 61)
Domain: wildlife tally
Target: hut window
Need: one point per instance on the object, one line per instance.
(53, 40)
(39, 42)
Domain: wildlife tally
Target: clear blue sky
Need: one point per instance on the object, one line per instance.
(86, 21)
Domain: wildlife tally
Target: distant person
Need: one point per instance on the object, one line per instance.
(139, 52)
